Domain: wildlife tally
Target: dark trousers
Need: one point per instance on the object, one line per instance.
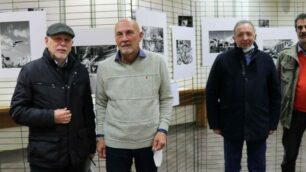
(120, 160)
(256, 152)
(42, 169)
(292, 140)
(82, 167)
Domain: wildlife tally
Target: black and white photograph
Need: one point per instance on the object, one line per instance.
(90, 56)
(185, 21)
(183, 49)
(153, 39)
(154, 26)
(184, 52)
(273, 47)
(220, 41)
(15, 44)
(263, 23)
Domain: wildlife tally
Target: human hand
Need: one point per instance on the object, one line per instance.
(101, 148)
(159, 141)
(62, 116)
(217, 131)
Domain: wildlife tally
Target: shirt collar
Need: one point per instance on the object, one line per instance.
(300, 49)
(141, 54)
(63, 65)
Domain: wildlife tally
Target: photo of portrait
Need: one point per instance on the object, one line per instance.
(184, 52)
(185, 21)
(153, 39)
(220, 41)
(90, 56)
(15, 44)
(263, 23)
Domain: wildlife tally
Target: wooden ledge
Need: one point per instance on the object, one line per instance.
(195, 97)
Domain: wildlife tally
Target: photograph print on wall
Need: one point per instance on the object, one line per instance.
(21, 40)
(15, 44)
(90, 49)
(274, 46)
(155, 31)
(273, 40)
(90, 56)
(185, 21)
(220, 41)
(263, 23)
(217, 36)
(153, 39)
(184, 52)
(183, 49)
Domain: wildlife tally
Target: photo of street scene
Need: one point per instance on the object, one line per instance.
(220, 41)
(274, 46)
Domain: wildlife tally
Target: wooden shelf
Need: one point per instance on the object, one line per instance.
(6, 121)
(187, 97)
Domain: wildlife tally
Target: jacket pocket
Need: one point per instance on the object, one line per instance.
(49, 95)
(44, 148)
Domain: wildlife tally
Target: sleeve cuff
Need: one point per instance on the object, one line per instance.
(162, 130)
(99, 135)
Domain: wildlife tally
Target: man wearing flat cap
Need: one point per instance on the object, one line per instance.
(53, 98)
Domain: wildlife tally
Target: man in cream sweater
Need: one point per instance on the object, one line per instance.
(133, 103)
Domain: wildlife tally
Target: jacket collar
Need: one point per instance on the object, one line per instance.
(70, 61)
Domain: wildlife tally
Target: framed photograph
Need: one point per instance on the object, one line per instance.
(185, 21)
(184, 55)
(21, 40)
(155, 31)
(93, 45)
(217, 37)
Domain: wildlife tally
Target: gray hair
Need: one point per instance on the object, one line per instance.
(241, 22)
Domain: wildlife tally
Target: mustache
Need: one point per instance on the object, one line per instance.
(303, 34)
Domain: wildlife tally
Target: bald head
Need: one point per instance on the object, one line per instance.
(128, 37)
(127, 22)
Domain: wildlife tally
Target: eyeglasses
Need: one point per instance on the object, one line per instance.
(300, 28)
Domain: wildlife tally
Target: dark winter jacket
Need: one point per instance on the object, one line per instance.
(43, 87)
(243, 100)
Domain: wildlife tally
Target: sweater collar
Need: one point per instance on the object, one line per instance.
(141, 54)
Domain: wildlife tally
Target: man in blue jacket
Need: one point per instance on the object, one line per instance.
(53, 98)
(243, 99)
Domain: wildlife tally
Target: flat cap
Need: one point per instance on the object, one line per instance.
(59, 28)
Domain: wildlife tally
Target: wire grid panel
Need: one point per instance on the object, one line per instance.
(189, 148)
